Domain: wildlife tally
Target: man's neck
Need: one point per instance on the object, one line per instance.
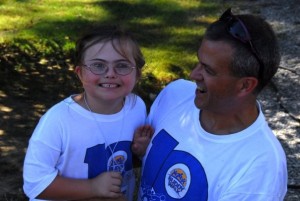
(229, 123)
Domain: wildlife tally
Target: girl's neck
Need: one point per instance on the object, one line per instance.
(98, 106)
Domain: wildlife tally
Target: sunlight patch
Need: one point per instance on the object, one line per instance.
(5, 109)
(2, 94)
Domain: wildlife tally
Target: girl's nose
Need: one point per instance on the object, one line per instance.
(110, 72)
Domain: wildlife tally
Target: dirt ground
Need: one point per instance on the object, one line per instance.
(27, 91)
(280, 100)
(25, 94)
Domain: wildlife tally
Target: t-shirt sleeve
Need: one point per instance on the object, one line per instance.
(169, 98)
(42, 155)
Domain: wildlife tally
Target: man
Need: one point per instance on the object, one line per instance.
(211, 139)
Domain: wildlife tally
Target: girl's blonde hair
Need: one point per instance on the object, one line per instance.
(122, 41)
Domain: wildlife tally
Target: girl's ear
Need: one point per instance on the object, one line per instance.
(138, 75)
(247, 85)
(77, 70)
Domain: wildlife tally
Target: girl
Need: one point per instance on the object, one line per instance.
(80, 149)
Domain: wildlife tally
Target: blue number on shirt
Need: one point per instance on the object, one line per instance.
(96, 157)
(160, 159)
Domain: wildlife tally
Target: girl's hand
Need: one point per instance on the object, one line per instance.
(107, 185)
(141, 139)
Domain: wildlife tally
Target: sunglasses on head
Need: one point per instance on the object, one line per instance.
(237, 29)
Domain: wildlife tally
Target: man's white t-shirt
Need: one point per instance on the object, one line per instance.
(184, 162)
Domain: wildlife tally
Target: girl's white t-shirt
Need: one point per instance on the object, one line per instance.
(73, 142)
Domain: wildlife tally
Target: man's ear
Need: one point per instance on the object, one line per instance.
(247, 85)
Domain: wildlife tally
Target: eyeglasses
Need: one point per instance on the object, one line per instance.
(238, 30)
(100, 68)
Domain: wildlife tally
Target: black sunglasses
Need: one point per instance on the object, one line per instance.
(239, 31)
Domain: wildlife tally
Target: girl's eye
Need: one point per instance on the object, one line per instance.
(123, 65)
(98, 65)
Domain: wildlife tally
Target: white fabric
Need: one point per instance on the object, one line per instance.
(245, 166)
(72, 142)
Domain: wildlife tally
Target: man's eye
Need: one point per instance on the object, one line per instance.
(209, 71)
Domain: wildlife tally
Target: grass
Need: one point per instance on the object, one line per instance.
(164, 28)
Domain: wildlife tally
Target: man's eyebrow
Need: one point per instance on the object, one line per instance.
(204, 64)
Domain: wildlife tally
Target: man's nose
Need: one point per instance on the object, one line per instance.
(197, 71)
